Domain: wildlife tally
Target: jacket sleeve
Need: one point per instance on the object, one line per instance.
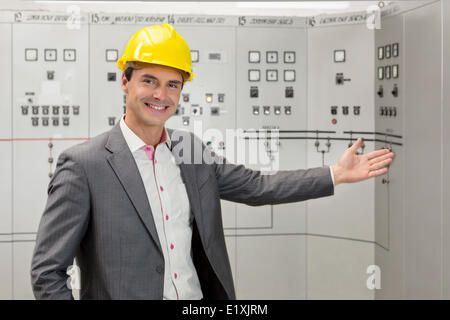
(61, 229)
(252, 187)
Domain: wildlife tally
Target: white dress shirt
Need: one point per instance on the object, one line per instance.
(169, 202)
(332, 175)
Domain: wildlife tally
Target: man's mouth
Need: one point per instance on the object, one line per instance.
(156, 107)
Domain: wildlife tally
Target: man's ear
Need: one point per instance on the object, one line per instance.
(124, 83)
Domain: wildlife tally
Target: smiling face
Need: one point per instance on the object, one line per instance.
(152, 93)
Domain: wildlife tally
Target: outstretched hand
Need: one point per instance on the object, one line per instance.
(353, 168)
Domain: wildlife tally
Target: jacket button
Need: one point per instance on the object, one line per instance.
(160, 269)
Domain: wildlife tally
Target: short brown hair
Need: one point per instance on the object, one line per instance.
(131, 65)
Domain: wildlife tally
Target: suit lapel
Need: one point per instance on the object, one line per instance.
(124, 166)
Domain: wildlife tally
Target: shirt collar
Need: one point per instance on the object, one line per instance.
(135, 143)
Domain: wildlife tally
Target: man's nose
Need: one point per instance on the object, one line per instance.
(160, 93)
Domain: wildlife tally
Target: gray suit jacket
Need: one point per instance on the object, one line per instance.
(98, 211)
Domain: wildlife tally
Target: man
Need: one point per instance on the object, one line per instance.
(145, 221)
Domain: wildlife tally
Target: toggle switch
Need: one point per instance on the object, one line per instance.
(345, 110)
(24, 110)
(289, 92)
(111, 121)
(277, 110)
(380, 92)
(287, 110)
(65, 121)
(179, 111)
(340, 79)
(50, 75)
(55, 110)
(215, 111)
(196, 110)
(334, 110)
(35, 109)
(111, 76)
(253, 92)
(65, 110)
(395, 91)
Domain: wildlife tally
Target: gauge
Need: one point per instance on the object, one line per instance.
(339, 55)
(272, 75)
(289, 75)
(254, 56)
(253, 75)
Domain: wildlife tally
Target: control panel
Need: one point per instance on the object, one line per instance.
(271, 71)
(268, 93)
(50, 81)
(389, 79)
(389, 116)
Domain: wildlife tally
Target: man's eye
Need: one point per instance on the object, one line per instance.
(149, 81)
(172, 85)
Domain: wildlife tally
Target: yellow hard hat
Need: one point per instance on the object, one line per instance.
(160, 44)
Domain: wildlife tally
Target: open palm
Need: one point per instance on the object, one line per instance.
(353, 168)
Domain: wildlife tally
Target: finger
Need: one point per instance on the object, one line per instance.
(377, 153)
(356, 145)
(381, 158)
(380, 164)
(376, 173)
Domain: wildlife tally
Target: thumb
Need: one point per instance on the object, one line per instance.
(356, 145)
